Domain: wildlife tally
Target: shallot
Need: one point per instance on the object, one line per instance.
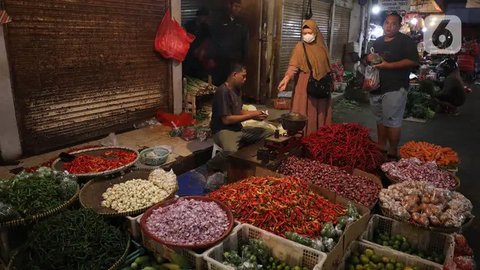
(354, 187)
(188, 222)
(416, 170)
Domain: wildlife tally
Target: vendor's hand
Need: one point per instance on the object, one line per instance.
(283, 84)
(382, 65)
(259, 115)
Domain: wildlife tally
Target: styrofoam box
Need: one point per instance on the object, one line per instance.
(287, 251)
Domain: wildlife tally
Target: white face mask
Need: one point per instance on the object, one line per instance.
(308, 38)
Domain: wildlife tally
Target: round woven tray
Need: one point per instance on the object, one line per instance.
(97, 151)
(394, 180)
(91, 194)
(41, 216)
(11, 264)
(386, 212)
(149, 235)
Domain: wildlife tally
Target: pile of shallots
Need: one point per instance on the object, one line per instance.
(416, 170)
(424, 204)
(188, 222)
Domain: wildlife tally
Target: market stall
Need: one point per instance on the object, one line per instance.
(291, 202)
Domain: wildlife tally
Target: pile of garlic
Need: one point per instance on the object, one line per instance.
(164, 180)
(424, 204)
(136, 194)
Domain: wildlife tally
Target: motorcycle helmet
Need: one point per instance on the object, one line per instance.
(446, 67)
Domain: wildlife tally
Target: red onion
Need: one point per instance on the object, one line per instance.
(414, 169)
(359, 189)
(188, 222)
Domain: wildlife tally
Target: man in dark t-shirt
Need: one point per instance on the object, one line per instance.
(400, 56)
(227, 118)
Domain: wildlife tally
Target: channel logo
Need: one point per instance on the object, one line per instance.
(443, 34)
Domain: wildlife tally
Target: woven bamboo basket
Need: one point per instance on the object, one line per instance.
(38, 217)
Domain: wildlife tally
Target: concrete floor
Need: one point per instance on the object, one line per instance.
(459, 132)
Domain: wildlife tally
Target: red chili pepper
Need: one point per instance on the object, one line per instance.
(278, 205)
(346, 145)
(108, 161)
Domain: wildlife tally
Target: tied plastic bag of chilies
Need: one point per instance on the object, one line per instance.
(372, 79)
(172, 41)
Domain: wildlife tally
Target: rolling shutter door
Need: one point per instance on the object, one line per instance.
(81, 69)
(291, 24)
(321, 14)
(340, 32)
(189, 10)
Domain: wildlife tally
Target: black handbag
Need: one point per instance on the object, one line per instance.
(318, 88)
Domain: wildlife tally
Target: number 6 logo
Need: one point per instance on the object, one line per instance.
(443, 34)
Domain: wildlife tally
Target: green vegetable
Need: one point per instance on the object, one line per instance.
(352, 211)
(74, 239)
(299, 239)
(34, 193)
(328, 230)
(232, 257)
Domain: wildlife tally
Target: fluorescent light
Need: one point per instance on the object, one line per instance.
(376, 9)
(424, 29)
(414, 21)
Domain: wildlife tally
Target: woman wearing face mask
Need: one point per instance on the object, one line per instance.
(318, 111)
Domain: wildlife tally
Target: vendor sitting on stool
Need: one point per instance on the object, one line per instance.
(452, 94)
(227, 118)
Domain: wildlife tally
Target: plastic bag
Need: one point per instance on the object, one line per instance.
(172, 120)
(67, 184)
(372, 79)
(172, 41)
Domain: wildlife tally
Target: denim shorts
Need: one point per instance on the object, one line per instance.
(389, 108)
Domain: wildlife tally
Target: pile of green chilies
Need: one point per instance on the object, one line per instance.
(74, 239)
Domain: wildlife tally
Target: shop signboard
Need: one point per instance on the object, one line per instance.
(424, 6)
(395, 5)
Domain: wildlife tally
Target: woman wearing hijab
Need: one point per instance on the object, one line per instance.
(318, 111)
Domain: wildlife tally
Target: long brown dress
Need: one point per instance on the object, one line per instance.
(318, 111)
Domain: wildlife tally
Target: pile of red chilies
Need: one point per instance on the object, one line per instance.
(357, 188)
(279, 205)
(108, 161)
(345, 145)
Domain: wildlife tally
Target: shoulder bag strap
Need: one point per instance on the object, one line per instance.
(308, 61)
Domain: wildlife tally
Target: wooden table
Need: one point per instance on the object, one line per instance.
(244, 162)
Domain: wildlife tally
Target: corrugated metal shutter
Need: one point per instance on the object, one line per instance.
(189, 9)
(82, 69)
(321, 14)
(292, 16)
(341, 26)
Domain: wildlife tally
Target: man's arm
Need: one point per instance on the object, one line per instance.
(402, 64)
(246, 115)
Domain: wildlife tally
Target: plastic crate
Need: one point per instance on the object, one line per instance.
(391, 254)
(422, 239)
(282, 249)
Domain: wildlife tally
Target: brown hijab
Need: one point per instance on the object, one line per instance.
(317, 53)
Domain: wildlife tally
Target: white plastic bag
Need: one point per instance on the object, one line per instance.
(372, 79)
